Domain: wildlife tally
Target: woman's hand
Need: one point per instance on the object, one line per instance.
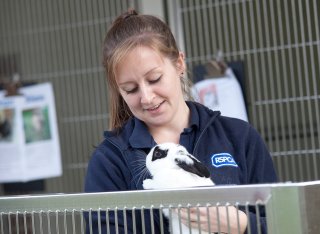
(222, 219)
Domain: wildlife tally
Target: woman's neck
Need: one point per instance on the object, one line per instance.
(171, 132)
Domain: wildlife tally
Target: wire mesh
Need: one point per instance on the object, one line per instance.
(279, 43)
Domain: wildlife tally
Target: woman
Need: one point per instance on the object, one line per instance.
(145, 74)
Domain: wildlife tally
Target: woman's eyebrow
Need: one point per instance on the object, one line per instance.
(151, 71)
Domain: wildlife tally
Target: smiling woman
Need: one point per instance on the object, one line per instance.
(145, 75)
(149, 84)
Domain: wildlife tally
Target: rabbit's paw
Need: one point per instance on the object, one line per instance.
(148, 184)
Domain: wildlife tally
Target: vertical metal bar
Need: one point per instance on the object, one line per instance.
(143, 220)
(83, 54)
(65, 223)
(25, 222)
(206, 27)
(73, 222)
(170, 219)
(90, 221)
(9, 222)
(193, 27)
(33, 224)
(316, 107)
(258, 216)
(219, 28)
(199, 35)
(291, 75)
(212, 29)
(225, 30)
(82, 223)
(179, 218)
(259, 120)
(1, 222)
(208, 206)
(307, 89)
(189, 218)
(125, 220)
(161, 219)
(271, 92)
(232, 24)
(57, 222)
(238, 220)
(108, 220)
(134, 220)
(48, 221)
(300, 88)
(265, 109)
(17, 222)
(286, 127)
(198, 217)
(6, 27)
(40, 222)
(252, 115)
(99, 221)
(116, 221)
(239, 24)
(152, 219)
(228, 216)
(248, 214)
(218, 216)
(69, 63)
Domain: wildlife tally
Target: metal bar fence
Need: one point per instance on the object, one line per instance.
(278, 43)
(289, 208)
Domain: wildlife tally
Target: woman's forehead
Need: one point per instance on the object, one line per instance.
(140, 61)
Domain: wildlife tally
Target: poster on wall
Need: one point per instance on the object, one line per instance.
(29, 139)
(222, 94)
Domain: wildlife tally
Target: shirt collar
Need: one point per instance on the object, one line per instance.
(194, 115)
(140, 137)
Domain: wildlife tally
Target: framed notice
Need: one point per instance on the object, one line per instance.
(29, 139)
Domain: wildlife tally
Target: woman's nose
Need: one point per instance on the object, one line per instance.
(146, 94)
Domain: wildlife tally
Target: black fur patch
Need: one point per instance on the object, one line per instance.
(159, 153)
(197, 168)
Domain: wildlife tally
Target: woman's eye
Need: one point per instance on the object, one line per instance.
(131, 91)
(155, 81)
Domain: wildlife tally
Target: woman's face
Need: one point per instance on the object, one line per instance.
(150, 85)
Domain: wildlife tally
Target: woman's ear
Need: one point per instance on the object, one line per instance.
(181, 65)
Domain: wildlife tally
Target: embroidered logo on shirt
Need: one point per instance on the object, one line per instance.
(223, 159)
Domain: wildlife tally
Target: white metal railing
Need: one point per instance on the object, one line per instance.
(289, 208)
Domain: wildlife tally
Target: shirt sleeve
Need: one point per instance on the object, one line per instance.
(259, 162)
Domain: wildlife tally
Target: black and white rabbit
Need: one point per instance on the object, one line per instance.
(172, 166)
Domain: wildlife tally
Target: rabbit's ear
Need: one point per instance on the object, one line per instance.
(196, 168)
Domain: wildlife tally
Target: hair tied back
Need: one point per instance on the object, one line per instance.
(129, 13)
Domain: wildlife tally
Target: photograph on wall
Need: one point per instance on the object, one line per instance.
(36, 124)
(6, 124)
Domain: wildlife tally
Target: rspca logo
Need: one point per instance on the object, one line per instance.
(223, 159)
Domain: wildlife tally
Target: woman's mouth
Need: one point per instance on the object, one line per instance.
(154, 107)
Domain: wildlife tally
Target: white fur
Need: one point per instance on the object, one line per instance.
(167, 174)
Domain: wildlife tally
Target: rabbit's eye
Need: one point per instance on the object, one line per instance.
(181, 152)
(159, 153)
